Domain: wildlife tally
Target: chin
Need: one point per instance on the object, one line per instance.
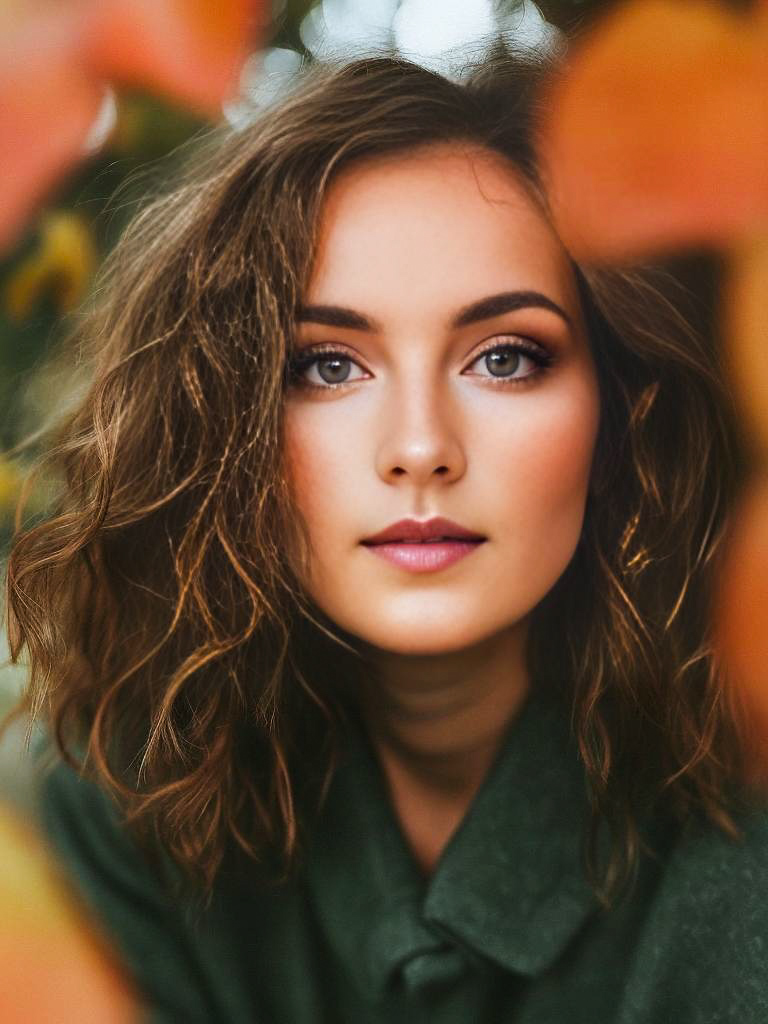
(416, 646)
(425, 638)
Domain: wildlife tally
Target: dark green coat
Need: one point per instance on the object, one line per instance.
(506, 929)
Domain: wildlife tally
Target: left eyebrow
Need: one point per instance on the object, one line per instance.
(483, 309)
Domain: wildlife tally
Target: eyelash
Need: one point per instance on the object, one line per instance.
(299, 364)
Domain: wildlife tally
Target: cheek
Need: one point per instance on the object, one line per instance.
(320, 461)
(547, 479)
(560, 456)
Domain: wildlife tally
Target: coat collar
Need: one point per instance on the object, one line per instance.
(509, 889)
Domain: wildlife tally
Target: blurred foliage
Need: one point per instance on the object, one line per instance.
(77, 130)
(573, 16)
(48, 272)
(656, 140)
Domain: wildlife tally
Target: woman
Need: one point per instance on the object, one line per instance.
(376, 604)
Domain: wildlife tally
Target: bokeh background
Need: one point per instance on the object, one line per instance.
(670, 96)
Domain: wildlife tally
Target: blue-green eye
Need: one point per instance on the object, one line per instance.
(504, 361)
(323, 369)
(333, 369)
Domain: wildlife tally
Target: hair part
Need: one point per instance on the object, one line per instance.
(171, 647)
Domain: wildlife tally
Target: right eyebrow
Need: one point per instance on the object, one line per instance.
(334, 316)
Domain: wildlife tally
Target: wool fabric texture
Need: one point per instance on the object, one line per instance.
(506, 930)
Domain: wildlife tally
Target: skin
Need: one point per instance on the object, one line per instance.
(421, 427)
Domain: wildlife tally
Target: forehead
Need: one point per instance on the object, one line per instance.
(448, 218)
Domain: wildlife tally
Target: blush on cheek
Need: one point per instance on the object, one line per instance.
(556, 483)
(567, 445)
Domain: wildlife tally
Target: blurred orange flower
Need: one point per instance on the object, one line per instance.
(54, 965)
(658, 139)
(659, 129)
(57, 55)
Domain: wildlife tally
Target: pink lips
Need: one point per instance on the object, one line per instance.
(423, 546)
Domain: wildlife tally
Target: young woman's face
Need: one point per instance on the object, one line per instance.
(454, 379)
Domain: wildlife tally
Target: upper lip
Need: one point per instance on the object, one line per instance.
(430, 529)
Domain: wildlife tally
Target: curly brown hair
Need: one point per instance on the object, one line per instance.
(171, 648)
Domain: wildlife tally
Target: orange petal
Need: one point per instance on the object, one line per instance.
(55, 57)
(658, 131)
(746, 336)
(741, 613)
(53, 965)
(190, 50)
(49, 104)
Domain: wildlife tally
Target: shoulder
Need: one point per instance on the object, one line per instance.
(715, 891)
(701, 958)
(72, 807)
(84, 825)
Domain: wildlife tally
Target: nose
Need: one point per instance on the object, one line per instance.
(421, 437)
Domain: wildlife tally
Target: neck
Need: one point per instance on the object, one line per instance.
(438, 720)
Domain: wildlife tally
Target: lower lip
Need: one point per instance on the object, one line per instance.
(427, 557)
